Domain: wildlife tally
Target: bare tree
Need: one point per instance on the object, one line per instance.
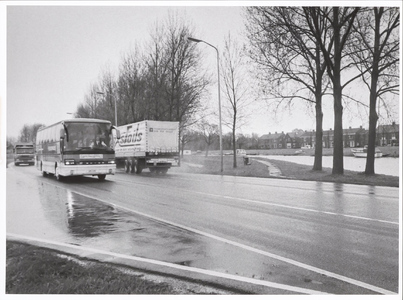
(131, 88)
(28, 132)
(209, 132)
(166, 84)
(25, 134)
(236, 87)
(332, 29)
(187, 83)
(376, 55)
(107, 88)
(290, 63)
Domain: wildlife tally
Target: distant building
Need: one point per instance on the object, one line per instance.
(387, 135)
(293, 139)
(308, 138)
(352, 137)
(272, 141)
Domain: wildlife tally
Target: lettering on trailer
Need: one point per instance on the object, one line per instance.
(129, 138)
(167, 130)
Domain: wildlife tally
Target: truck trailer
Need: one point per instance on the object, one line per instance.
(148, 144)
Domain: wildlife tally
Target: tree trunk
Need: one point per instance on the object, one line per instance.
(317, 165)
(234, 139)
(338, 167)
(234, 148)
(373, 117)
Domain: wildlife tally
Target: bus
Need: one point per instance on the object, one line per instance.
(24, 153)
(76, 147)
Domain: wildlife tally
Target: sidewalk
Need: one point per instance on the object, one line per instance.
(273, 170)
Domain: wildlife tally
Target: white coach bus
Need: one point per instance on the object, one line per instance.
(76, 147)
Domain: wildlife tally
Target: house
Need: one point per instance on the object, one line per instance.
(293, 139)
(308, 138)
(387, 135)
(352, 137)
(272, 141)
(355, 137)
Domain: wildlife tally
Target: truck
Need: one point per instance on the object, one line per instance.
(24, 153)
(148, 144)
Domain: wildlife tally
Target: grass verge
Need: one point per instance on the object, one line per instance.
(35, 270)
(211, 165)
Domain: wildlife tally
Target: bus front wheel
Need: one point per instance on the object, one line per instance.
(58, 176)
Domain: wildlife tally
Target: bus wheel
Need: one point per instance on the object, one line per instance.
(44, 174)
(58, 176)
(164, 171)
(16, 164)
(127, 166)
(152, 170)
(102, 177)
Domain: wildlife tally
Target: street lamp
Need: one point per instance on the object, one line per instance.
(74, 115)
(116, 113)
(219, 98)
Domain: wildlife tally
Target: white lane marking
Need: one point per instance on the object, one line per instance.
(175, 266)
(296, 208)
(242, 246)
(282, 205)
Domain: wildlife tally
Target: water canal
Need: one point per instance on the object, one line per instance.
(383, 165)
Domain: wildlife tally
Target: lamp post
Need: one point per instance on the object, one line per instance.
(116, 113)
(219, 98)
(74, 115)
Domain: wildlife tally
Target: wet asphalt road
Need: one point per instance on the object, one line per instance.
(334, 238)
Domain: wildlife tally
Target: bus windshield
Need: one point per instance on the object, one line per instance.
(24, 151)
(88, 136)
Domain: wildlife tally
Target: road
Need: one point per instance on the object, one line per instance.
(324, 237)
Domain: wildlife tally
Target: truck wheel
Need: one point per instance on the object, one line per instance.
(164, 171)
(132, 166)
(139, 167)
(127, 166)
(152, 170)
(101, 177)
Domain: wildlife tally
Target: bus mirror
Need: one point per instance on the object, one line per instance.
(117, 132)
(62, 133)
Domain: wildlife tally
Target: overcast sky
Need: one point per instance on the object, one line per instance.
(54, 54)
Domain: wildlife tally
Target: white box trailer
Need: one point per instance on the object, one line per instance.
(148, 144)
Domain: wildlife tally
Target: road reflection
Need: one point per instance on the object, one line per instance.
(89, 218)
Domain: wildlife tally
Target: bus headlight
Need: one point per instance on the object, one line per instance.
(111, 161)
(69, 162)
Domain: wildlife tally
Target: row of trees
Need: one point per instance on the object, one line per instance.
(305, 53)
(165, 81)
(27, 133)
